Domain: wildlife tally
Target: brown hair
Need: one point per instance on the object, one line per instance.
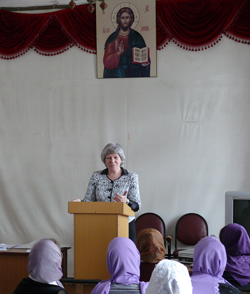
(150, 244)
(121, 11)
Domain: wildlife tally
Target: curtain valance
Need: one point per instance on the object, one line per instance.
(191, 24)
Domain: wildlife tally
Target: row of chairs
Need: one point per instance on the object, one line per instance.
(189, 229)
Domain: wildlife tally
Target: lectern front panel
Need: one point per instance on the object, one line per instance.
(93, 233)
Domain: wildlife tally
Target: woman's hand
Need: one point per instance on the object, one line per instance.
(77, 200)
(120, 198)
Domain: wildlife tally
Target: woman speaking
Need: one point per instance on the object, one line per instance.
(115, 183)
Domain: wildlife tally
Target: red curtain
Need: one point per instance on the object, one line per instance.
(196, 23)
(191, 24)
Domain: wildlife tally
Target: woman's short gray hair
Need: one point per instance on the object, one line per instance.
(112, 148)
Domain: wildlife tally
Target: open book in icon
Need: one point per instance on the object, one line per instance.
(140, 55)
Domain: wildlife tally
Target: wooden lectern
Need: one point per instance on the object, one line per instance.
(95, 225)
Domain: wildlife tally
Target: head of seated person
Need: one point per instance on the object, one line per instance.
(44, 266)
(169, 277)
(123, 263)
(44, 261)
(209, 264)
(237, 243)
(151, 246)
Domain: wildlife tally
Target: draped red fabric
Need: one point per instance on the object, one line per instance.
(80, 25)
(52, 38)
(240, 30)
(19, 31)
(191, 24)
(197, 23)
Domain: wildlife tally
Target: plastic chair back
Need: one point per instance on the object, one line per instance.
(150, 220)
(190, 228)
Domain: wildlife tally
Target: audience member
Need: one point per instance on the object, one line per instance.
(169, 277)
(210, 260)
(151, 246)
(44, 266)
(237, 243)
(123, 263)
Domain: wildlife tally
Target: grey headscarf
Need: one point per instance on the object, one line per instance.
(45, 261)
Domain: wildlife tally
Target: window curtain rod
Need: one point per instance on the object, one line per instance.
(33, 8)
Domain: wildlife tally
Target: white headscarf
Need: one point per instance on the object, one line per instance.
(169, 277)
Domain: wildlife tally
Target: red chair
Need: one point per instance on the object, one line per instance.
(189, 229)
(152, 220)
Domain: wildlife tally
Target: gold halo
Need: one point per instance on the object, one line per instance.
(122, 5)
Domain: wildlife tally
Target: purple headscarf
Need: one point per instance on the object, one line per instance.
(237, 243)
(44, 262)
(209, 264)
(123, 263)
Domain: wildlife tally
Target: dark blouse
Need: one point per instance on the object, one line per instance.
(233, 282)
(227, 289)
(28, 286)
(230, 279)
(146, 269)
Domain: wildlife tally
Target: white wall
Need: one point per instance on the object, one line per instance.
(186, 133)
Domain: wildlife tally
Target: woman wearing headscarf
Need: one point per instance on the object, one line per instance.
(237, 243)
(209, 264)
(123, 263)
(115, 183)
(151, 246)
(169, 277)
(44, 266)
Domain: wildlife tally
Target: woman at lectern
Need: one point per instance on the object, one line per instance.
(237, 243)
(115, 183)
(44, 266)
